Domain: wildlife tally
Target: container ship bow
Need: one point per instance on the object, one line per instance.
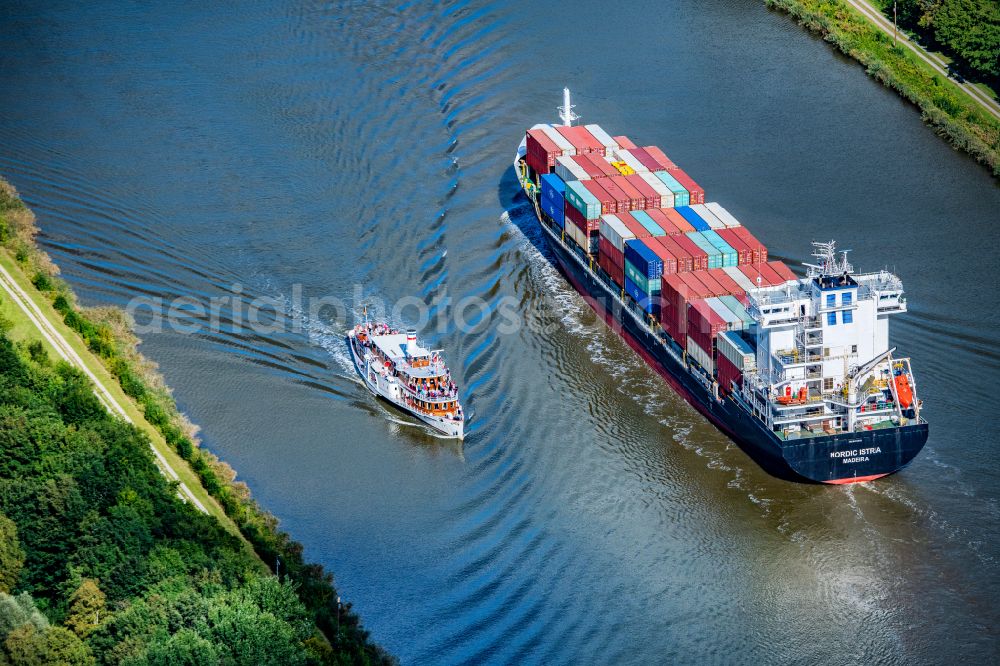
(797, 371)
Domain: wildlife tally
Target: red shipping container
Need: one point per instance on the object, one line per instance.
(674, 295)
(696, 191)
(582, 140)
(685, 263)
(604, 165)
(743, 252)
(634, 225)
(668, 259)
(650, 197)
(635, 199)
(665, 222)
(624, 142)
(703, 324)
(622, 200)
(616, 272)
(728, 374)
(605, 246)
(783, 271)
(699, 257)
(678, 220)
(758, 248)
(646, 159)
(542, 150)
(752, 271)
(587, 165)
(713, 285)
(577, 218)
(771, 275)
(665, 162)
(728, 283)
(608, 203)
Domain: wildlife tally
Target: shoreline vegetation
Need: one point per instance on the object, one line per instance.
(944, 106)
(113, 568)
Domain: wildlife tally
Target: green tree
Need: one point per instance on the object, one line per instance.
(86, 608)
(18, 611)
(52, 646)
(971, 29)
(185, 648)
(11, 554)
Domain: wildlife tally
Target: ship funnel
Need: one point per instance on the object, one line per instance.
(411, 338)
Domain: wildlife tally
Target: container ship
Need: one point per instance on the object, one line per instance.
(797, 371)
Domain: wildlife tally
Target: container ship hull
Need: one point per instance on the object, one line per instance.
(842, 458)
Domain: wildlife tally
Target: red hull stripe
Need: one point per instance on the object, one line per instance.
(857, 479)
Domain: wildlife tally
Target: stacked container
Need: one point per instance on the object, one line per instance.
(681, 196)
(542, 151)
(666, 196)
(553, 197)
(695, 190)
(610, 145)
(723, 214)
(582, 140)
(568, 169)
(734, 357)
(643, 269)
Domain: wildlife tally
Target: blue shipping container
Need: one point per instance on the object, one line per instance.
(644, 259)
(693, 218)
(649, 304)
(553, 187)
(554, 210)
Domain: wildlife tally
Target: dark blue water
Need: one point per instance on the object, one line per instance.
(209, 150)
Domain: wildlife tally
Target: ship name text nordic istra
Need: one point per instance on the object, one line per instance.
(797, 371)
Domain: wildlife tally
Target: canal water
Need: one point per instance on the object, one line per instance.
(361, 151)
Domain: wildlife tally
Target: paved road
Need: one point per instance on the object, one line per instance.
(939, 65)
(69, 354)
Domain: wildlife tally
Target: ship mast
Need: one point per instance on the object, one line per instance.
(566, 110)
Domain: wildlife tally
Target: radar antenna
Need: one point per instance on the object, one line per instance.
(829, 264)
(566, 110)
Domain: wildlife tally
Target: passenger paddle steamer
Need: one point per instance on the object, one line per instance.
(394, 366)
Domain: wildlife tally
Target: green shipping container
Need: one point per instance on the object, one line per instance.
(737, 308)
(681, 196)
(729, 255)
(647, 285)
(714, 255)
(646, 221)
(583, 200)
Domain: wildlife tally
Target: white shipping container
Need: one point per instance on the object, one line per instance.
(723, 214)
(615, 231)
(568, 169)
(577, 235)
(666, 196)
(629, 159)
(610, 145)
(559, 140)
(723, 311)
(705, 213)
(743, 281)
(738, 352)
(700, 356)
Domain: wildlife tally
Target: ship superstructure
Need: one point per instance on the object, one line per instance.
(798, 371)
(396, 367)
(823, 363)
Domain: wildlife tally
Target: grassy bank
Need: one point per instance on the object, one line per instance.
(103, 338)
(943, 105)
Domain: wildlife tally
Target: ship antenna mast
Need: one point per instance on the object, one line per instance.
(828, 264)
(566, 110)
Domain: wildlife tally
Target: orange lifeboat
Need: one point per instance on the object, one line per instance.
(904, 391)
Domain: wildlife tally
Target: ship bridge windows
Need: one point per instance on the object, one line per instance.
(847, 316)
(846, 298)
(831, 300)
(831, 318)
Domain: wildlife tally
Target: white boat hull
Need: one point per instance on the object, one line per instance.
(385, 386)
